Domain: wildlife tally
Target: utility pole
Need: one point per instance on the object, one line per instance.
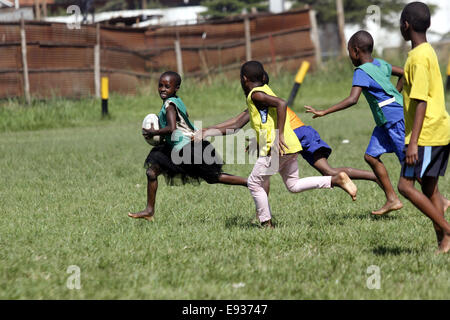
(341, 25)
(315, 37)
(37, 9)
(178, 54)
(44, 8)
(248, 38)
(23, 42)
(97, 69)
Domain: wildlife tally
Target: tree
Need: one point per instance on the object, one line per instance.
(113, 5)
(218, 9)
(355, 10)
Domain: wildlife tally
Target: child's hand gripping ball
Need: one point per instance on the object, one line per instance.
(151, 123)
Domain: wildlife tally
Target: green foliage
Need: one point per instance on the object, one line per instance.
(356, 10)
(113, 5)
(218, 9)
(117, 4)
(154, 4)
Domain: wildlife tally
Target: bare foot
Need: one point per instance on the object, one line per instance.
(446, 203)
(343, 181)
(444, 246)
(146, 214)
(388, 207)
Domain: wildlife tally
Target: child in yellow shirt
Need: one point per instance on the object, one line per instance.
(278, 146)
(427, 123)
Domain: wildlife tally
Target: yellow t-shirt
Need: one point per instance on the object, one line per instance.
(423, 81)
(264, 122)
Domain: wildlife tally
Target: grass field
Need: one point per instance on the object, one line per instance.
(68, 179)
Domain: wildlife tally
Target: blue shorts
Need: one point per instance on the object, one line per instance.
(313, 146)
(432, 162)
(388, 140)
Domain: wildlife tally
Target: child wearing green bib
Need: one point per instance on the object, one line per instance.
(177, 157)
(372, 78)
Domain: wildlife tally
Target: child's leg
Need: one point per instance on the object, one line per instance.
(392, 200)
(316, 151)
(208, 165)
(430, 189)
(444, 201)
(152, 187)
(256, 183)
(229, 179)
(266, 186)
(428, 206)
(290, 175)
(324, 168)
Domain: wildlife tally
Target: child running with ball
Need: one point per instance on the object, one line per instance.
(177, 157)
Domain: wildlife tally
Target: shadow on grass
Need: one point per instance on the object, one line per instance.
(368, 215)
(384, 217)
(392, 251)
(240, 222)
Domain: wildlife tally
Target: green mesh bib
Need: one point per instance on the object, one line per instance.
(382, 75)
(177, 139)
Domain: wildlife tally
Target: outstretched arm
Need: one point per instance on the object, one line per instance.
(224, 128)
(234, 123)
(351, 100)
(263, 101)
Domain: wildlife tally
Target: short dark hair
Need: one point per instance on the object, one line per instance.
(253, 70)
(265, 78)
(362, 40)
(418, 16)
(174, 75)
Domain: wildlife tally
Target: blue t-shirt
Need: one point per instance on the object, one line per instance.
(393, 111)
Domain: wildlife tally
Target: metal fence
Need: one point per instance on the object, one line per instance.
(62, 62)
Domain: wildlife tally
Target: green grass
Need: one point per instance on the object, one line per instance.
(68, 179)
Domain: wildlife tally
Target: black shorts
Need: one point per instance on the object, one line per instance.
(201, 162)
(432, 162)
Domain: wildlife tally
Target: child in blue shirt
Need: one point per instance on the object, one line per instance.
(372, 78)
(392, 110)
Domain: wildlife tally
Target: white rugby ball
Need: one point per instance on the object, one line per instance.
(149, 120)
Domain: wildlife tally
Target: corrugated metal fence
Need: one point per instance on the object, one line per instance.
(61, 60)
